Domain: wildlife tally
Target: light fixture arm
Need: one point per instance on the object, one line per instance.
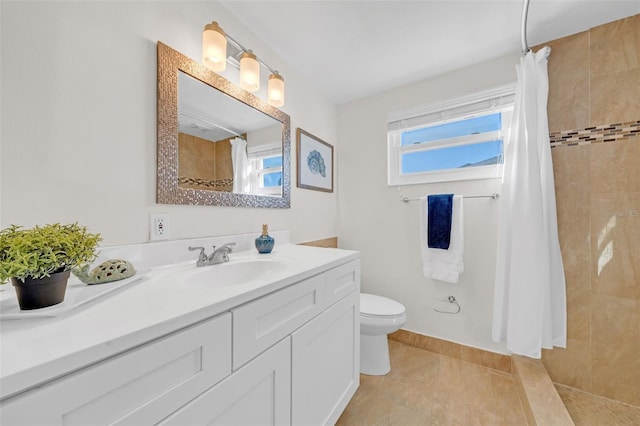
(244, 49)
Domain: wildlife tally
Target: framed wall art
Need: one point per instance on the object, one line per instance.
(315, 162)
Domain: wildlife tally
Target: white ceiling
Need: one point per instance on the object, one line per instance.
(353, 49)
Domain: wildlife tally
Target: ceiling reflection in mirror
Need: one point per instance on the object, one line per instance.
(217, 144)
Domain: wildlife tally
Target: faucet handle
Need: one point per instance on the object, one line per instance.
(202, 256)
(230, 246)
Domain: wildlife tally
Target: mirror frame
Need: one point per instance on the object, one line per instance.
(170, 62)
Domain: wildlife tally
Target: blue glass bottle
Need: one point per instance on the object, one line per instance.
(265, 242)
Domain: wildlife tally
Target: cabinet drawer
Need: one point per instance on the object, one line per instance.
(342, 281)
(261, 323)
(141, 386)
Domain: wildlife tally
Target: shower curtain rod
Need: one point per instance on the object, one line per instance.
(525, 11)
(493, 196)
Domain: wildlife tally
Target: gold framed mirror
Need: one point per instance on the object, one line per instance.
(217, 144)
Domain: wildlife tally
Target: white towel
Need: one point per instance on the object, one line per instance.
(443, 265)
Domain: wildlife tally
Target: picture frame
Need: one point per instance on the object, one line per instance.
(315, 162)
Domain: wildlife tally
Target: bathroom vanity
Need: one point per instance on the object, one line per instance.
(263, 339)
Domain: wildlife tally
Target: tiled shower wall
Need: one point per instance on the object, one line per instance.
(594, 120)
(203, 164)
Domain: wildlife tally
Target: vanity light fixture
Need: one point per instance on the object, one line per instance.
(249, 71)
(214, 56)
(214, 47)
(275, 90)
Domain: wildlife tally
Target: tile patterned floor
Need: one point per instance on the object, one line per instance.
(425, 388)
(591, 410)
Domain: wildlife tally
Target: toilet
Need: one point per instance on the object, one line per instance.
(379, 316)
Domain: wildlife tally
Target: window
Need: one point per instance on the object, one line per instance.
(266, 171)
(457, 140)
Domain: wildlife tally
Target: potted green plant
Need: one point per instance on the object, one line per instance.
(38, 260)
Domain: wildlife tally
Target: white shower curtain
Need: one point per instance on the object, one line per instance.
(240, 166)
(530, 301)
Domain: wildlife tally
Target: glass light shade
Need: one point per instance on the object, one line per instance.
(275, 90)
(249, 71)
(214, 47)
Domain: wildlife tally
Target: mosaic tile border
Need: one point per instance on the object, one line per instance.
(596, 134)
(221, 184)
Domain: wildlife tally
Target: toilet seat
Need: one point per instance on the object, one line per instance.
(374, 306)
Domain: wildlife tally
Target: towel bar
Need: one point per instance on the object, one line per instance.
(493, 196)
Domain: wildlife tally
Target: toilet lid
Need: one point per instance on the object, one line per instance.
(370, 304)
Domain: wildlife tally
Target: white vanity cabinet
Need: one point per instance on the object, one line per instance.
(296, 357)
(288, 357)
(139, 387)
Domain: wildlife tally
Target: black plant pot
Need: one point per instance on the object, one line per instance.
(41, 292)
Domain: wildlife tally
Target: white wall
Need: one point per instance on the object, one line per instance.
(78, 110)
(373, 219)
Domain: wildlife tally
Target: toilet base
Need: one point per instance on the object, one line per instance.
(374, 355)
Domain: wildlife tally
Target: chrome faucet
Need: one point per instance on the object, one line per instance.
(219, 255)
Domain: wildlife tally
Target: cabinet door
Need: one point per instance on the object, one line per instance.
(257, 394)
(138, 387)
(325, 363)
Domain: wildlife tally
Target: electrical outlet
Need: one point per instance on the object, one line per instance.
(158, 226)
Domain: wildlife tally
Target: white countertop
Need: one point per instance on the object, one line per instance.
(40, 349)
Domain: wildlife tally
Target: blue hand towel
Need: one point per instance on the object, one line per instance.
(439, 209)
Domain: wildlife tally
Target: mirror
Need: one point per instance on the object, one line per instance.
(217, 143)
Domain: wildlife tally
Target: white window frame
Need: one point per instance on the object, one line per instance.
(256, 172)
(487, 102)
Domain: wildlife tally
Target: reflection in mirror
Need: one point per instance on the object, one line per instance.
(225, 145)
(217, 144)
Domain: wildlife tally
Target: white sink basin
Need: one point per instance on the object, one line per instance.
(233, 273)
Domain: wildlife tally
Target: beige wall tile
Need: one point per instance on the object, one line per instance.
(570, 366)
(568, 105)
(578, 303)
(571, 170)
(615, 71)
(615, 238)
(615, 349)
(223, 162)
(615, 98)
(205, 148)
(614, 167)
(615, 46)
(203, 169)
